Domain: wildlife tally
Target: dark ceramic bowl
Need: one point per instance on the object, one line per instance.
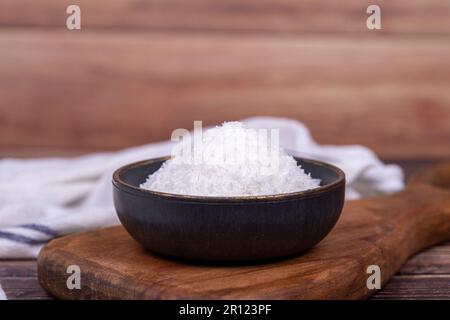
(228, 228)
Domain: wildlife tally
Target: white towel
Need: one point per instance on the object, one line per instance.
(41, 199)
(2, 294)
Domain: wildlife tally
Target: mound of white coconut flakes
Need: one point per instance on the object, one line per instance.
(230, 161)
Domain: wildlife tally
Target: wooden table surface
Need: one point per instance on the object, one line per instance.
(424, 276)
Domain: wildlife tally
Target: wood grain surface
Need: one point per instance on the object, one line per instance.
(21, 275)
(110, 90)
(19, 280)
(382, 231)
(424, 276)
(240, 16)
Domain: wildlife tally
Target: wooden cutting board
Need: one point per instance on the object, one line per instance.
(381, 231)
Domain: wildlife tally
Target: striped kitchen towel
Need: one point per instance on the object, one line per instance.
(2, 294)
(41, 199)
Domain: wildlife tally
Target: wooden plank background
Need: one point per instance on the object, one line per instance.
(278, 16)
(139, 69)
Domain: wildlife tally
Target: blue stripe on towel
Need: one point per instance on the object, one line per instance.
(22, 239)
(40, 228)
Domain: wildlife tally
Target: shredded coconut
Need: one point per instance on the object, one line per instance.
(230, 161)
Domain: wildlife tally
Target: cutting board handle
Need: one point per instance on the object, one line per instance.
(420, 214)
(437, 176)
